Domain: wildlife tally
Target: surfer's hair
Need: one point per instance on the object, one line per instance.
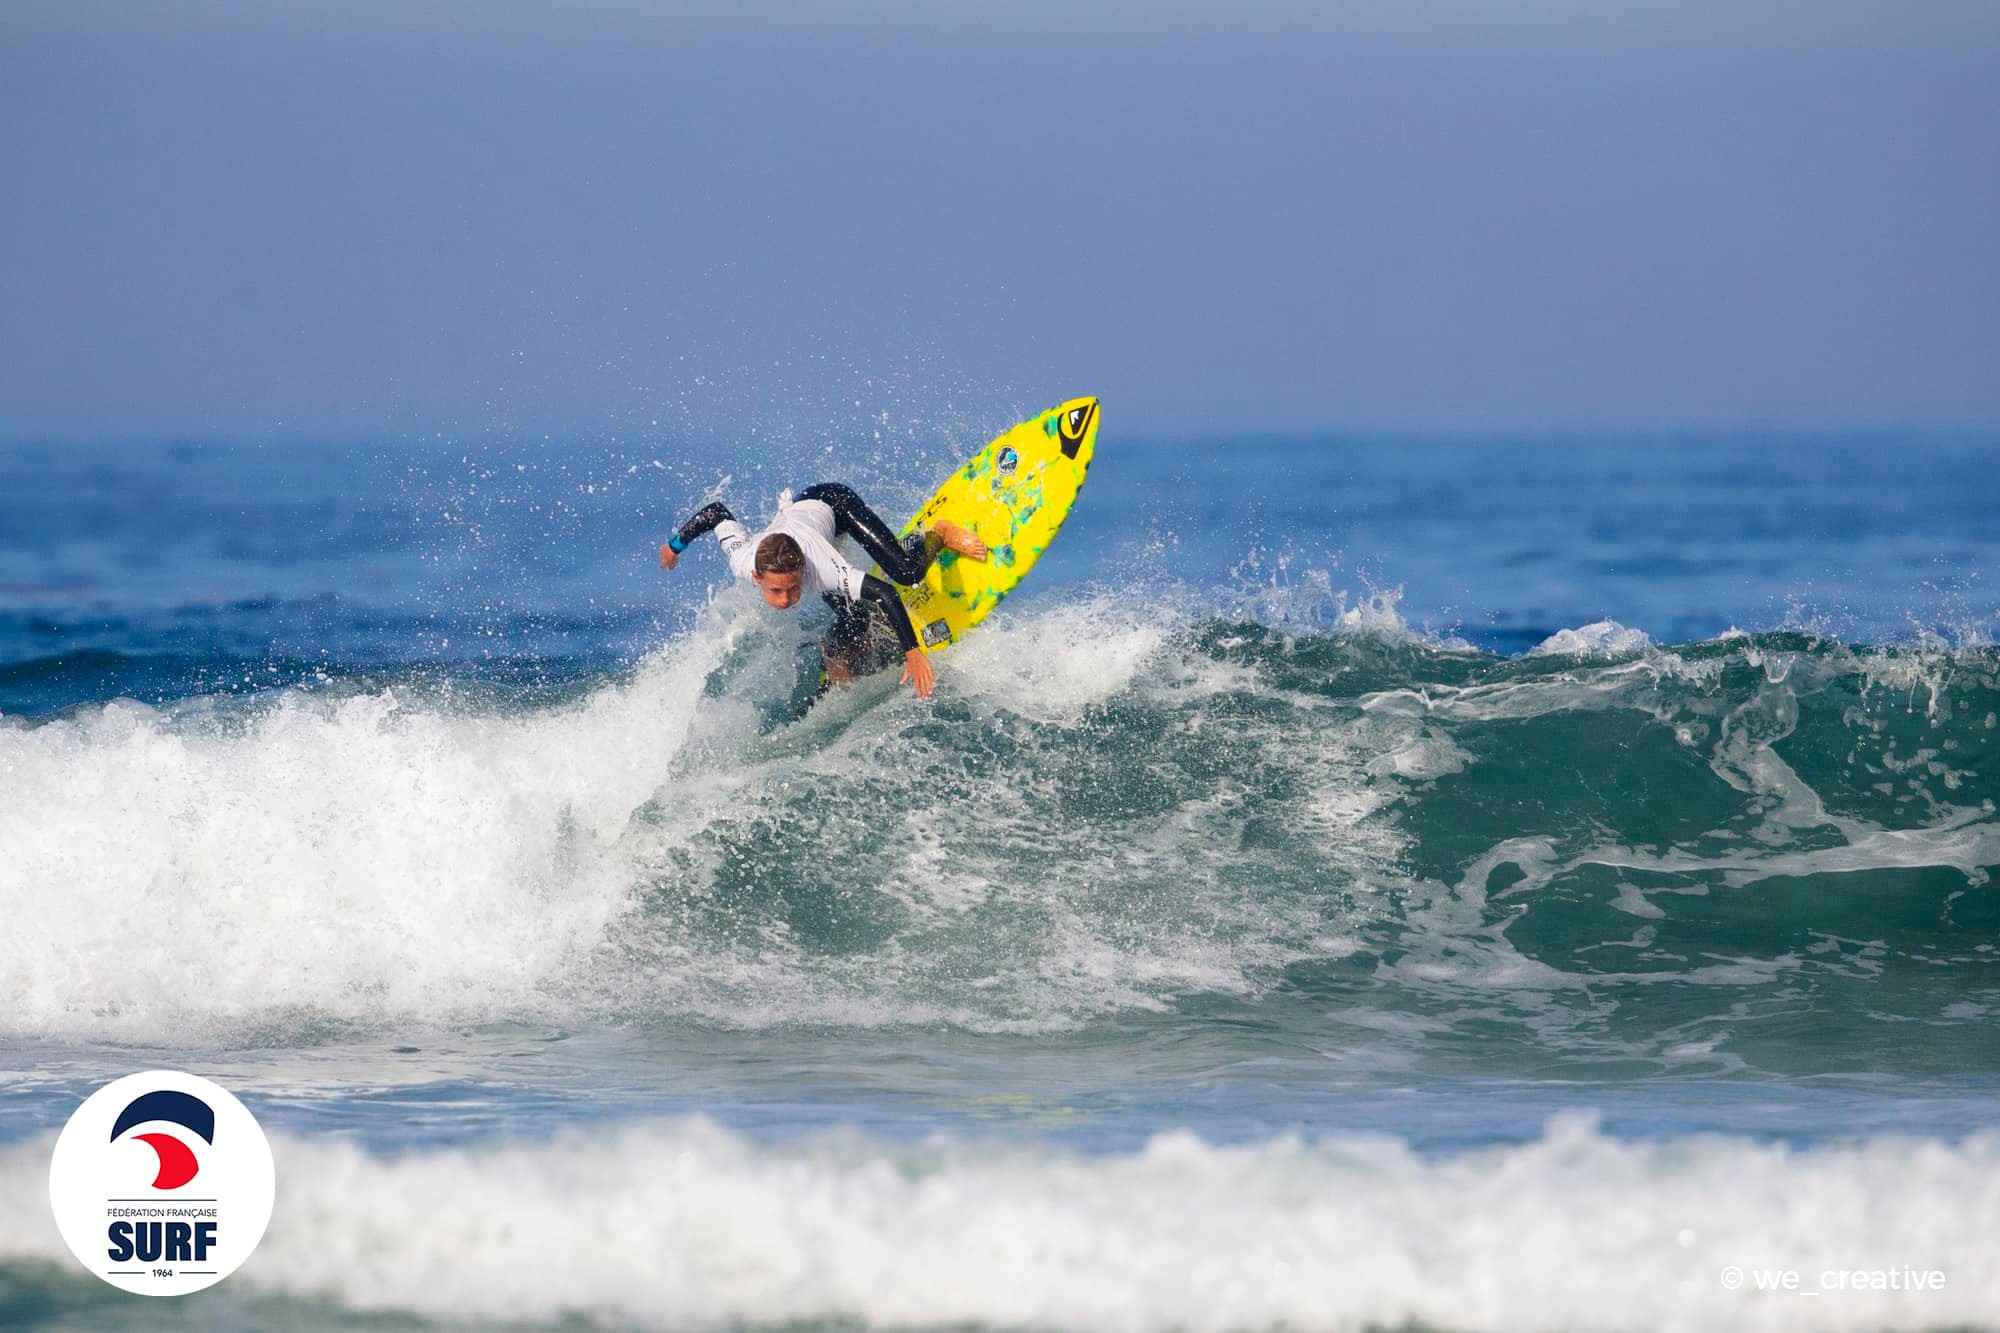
(778, 554)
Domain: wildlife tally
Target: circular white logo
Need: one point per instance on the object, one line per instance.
(162, 1183)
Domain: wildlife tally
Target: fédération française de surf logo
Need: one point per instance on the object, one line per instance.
(162, 1183)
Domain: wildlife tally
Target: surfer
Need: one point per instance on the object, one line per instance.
(795, 556)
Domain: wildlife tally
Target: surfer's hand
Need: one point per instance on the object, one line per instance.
(917, 671)
(668, 557)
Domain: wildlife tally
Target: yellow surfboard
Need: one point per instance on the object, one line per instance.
(1014, 494)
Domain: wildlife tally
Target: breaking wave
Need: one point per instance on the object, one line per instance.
(1604, 851)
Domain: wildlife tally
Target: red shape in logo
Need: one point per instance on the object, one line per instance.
(177, 1164)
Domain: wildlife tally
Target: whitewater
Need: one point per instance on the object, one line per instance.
(1459, 884)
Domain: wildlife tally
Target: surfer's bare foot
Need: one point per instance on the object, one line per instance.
(959, 540)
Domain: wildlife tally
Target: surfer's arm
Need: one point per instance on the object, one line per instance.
(916, 666)
(706, 519)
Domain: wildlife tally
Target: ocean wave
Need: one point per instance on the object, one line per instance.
(1109, 810)
(684, 1224)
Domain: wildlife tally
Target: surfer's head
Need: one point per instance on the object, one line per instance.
(780, 570)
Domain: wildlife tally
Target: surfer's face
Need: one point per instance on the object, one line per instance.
(781, 590)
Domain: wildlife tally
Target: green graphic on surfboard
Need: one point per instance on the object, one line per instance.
(1014, 494)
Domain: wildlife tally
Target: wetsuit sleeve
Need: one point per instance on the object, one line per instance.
(706, 518)
(884, 596)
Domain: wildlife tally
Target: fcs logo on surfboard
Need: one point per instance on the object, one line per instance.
(162, 1183)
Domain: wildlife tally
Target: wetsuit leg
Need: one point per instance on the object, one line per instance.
(903, 561)
(848, 638)
(859, 640)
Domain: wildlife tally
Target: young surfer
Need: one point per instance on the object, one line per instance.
(795, 556)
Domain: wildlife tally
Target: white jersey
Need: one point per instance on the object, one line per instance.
(810, 524)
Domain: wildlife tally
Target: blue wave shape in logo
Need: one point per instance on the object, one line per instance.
(175, 1108)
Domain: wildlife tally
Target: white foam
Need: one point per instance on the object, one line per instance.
(683, 1224)
(353, 858)
(1600, 638)
(1054, 664)
(1638, 684)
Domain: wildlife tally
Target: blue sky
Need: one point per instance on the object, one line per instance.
(381, 220)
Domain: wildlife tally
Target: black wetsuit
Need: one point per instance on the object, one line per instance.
(906, 561)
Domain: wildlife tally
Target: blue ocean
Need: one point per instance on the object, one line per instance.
(1431, 882)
